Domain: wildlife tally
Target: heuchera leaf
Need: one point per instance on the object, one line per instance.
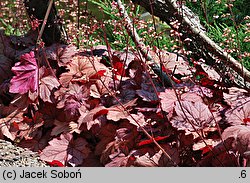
(137, 119)
(66, 150)
(98, 89)
(81, 69)
(47, 84)
(63, 54)
(90, 117)
(168, 99)
(13, 117)
(236, 96)
(71, 98)
(205, 144)
(60, 127)
(26, 74)
(241, 136)
(212, 74)
(155, 157)
(118, 161)
(117, 112)
(197, 113)
(66, 54)
(28, 127)
(172, 62)
(239, 115)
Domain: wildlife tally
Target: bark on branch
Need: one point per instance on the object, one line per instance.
(169, 10)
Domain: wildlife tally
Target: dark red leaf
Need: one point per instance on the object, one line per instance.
(56, 163)
(100, 113)
(119, 68)
(206, 149)
(150, 141)
(5, 68)
(98, 75)
(246, 120)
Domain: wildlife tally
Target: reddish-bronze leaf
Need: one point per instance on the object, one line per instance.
(9, 116)
(91, 117)
(198, 116)
(118, 112)
(239, 115)
(47, 84)
(241, 136)
(66, 150)
(81, 69)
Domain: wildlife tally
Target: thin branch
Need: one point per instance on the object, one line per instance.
(45, 21)
(141, 46)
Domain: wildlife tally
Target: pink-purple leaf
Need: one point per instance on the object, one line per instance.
(26, 74)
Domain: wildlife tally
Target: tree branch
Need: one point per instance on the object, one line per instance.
(169, 10)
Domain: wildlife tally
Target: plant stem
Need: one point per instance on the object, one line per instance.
(45, 21)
